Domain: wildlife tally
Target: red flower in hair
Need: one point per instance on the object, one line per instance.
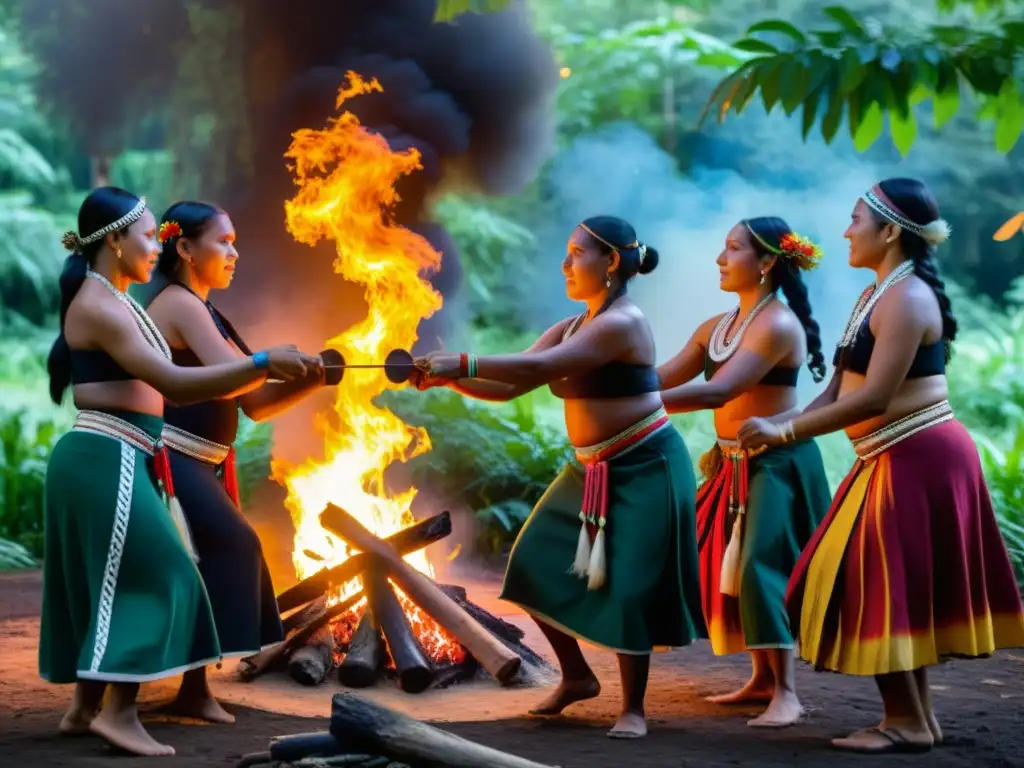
(805, 253)
(168, 230)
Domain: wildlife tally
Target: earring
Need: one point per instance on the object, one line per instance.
(762, 278)
(118, 251)
(608, 282)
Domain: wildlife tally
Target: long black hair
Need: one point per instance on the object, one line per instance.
(615, 234)
(785, 275)
(915, 201)
(193, 217)
(102, 207)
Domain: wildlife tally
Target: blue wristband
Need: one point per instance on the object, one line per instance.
(261, 360)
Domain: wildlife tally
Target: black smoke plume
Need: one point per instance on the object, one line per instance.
(474, 97)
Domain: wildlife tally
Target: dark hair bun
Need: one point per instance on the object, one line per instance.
(650, 261)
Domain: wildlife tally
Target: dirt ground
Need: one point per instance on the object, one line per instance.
(981, 705)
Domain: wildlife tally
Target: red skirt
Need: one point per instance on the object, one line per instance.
(909, 566)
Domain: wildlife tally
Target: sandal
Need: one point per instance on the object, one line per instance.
(897, 743)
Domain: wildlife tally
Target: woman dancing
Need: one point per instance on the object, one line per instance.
(626, 579)
(756, 509)
(909, 566)
(123, 602)
(198, 255)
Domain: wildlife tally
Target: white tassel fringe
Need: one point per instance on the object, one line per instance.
(936, 232)
(728, 583)
(178, 516)
(597, 563)
(582, 562)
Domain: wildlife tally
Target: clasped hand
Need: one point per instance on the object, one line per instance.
(757, 433)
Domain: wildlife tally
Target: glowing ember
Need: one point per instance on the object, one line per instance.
(346, 179)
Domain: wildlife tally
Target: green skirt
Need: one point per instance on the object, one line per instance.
(651, 597)
(787, 496)
(123, 600)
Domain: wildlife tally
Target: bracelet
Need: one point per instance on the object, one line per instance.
(261, 360)
(471, 368)
(787, 427)
(463, 365)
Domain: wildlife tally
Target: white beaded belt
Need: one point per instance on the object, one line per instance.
(869, 446)
(592, 452)
(99, 423)
(194, 446)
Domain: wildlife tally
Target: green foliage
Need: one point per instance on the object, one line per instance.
(25, 444)
(496, 458)
(252, 455)
(867, 71)
(14, 557)
(1004, 472)
(449, 10)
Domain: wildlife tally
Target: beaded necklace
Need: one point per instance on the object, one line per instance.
(871, 296)
(144, 322)
(718, 348)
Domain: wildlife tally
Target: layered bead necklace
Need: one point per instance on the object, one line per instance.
(870, 298)
(145, 324)
(719, 349)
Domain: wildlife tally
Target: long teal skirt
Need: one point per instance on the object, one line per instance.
(122, 599)
(788, 496)
(651, 597)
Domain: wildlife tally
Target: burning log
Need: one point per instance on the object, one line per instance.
(361, 726)
(490, 652)
(252, 667)
(406, 541)
(310, 664)
(365, 656)
(415, 673)
(301, 617)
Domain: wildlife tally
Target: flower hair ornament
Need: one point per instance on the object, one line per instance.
(933, 233)
(168, 231)
(801, 251)
(74, 243)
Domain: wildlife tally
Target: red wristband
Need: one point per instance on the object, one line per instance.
(463, 365)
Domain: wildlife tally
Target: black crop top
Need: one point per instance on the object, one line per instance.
(929, 360)
(214, 420)
(779, 376)
(93, 366)
(612, 380)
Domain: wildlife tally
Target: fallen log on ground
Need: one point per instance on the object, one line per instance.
(491, 653)
(310, 664)
(405, 541)
(365, 657)
(415, 672)
(362, 726)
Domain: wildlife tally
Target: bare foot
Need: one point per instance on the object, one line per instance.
(933, 726)
(630, 725)
(758, 690)
(76, 721)
(883, 739)
(201, 708)
(783, 711)
(569, 692)
(123, 730)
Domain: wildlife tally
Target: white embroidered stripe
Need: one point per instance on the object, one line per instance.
(192, 445)
(870, 446)
(99, 423)
(593, 450)
(118, 535)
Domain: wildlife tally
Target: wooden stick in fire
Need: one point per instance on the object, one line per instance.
(405, 541)
(492, 655)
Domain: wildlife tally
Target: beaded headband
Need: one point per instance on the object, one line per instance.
(73, 242)
(934, 232)
(641, 247)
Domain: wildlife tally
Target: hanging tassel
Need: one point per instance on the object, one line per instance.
(729, 579)
(162, 465)
(582, 561)
(597, 562)
(231, 478)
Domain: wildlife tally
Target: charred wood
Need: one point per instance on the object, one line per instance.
(365, 658)
(415, 672)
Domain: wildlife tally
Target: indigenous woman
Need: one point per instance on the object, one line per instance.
(756, 509)
(908, 567)
(199, 256)
(123, 601)
(608, 554)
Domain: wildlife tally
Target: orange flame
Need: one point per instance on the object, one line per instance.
(346, 181)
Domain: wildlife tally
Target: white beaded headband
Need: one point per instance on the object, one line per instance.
(73, 242)
(933, 232)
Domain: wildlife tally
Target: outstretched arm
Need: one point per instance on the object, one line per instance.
(689, 362)
(829, 394)
(764, 344)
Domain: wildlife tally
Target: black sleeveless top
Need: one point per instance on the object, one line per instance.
(929, 360)
(779, 376)
(215, 420)
(92, 366)
(612, 380)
